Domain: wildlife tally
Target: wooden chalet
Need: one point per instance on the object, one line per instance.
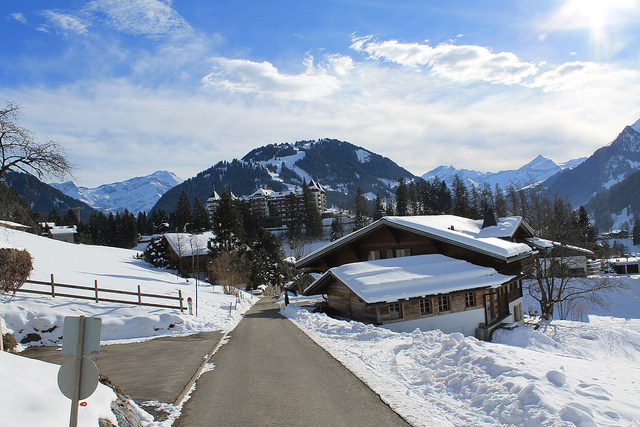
(463, 276)
(188, 252)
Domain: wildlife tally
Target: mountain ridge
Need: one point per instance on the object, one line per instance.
(138, 194)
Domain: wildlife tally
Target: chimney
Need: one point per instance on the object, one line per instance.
(490, 219)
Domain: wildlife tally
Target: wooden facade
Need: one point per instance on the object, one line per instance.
(501, 303)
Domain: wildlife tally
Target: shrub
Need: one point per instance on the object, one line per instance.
(15, 268)
(9, 342)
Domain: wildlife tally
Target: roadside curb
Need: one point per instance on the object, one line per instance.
(198, 372)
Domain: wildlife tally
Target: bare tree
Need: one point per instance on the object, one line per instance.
(228, 269)
(20, 151)
(553, 286)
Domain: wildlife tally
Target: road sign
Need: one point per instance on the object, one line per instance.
(88, 378)
(78, 376)
(91, 338)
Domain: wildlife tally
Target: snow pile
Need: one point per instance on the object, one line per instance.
(42, 316)
(530, 378)
(29, 396)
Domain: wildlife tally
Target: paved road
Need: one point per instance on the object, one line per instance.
(271, 374)
(158, 369)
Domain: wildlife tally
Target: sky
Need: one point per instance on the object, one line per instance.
(131, 87)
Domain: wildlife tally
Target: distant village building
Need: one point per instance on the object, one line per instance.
(630, 265)
(271, 207)
(61, 233)
(188, 251)
(429, 272)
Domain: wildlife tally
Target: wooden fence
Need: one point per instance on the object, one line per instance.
(96, 294)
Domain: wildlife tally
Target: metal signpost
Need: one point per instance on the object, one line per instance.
(78, 375)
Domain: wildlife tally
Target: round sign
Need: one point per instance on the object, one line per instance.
(88, 377)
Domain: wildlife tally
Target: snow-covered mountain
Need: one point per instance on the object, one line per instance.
(138, 194)
(608, 166)
(539, 169)
(339, 166)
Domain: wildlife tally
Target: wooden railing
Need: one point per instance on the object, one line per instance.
(95, 293)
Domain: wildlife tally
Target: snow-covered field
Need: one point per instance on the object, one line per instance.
(566, 373)
(28, 391)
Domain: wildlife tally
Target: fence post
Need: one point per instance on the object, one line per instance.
(53, 289)
(139, 296)
(96, 288)
(180, 296)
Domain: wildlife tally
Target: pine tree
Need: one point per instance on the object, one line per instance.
(461, 205)
(402, 198)
(361, 210)
(70, 218)
(295, 217)
(267, 260)
(228, 231)
(499, 203)
(54, 217)
(182, 215)
(636, 231)
(311, 214)
(199, 216)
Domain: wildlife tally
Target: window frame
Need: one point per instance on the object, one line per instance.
(425, 302)
(470, 299)
(399, 311)
(444, 300)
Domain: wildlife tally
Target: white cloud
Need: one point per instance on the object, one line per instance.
(19, 17)
(243, 76)
(66, 22)
(584, 75)
(462, 63)
(141, 17)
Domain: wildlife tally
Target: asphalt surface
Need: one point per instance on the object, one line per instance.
(159, 369)
(271, 374)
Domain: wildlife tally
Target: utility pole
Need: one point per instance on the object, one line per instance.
(78, 212)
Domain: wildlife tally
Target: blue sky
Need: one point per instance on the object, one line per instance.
(130, 87)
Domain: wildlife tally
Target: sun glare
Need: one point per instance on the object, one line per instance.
(594, 14)
(598, 17)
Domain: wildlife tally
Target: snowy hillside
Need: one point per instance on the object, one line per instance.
(568, 373)
(339, 166)
(113, 268)
(537, 170)
(138, 194)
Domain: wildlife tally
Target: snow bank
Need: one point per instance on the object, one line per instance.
(29, 396)
(530, 378)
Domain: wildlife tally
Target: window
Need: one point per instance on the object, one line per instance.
(470, 299)
(403, 252)
(425, 306)
(389, 253)
(373, 255)
(443, 303)
(395, 311)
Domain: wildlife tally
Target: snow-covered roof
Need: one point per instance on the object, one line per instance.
(455, 230)
(58, 230)
(186, 244)
(11, 224)
(624, 261)
(549, 244)
(393, 279)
